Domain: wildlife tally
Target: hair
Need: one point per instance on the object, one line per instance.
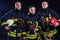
(17, 2)
(31, 6)
(45, 1)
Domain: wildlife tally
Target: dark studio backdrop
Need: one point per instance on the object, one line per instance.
(6, 5)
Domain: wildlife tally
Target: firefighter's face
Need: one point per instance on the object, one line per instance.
(32, 10)
(44, 5)
(18, 5)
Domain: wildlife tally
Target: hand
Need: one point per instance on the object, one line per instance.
(24, 38)
(56, 24)
(46, 38)
(6, 28)
(36, 29)
(50, 35)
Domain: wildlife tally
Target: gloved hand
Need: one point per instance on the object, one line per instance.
(49, 35)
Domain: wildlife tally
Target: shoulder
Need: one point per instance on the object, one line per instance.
(10, 12)
(51, 10)
(27, 15)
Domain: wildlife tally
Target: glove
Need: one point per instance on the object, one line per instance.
(10, 22)
(49, 35)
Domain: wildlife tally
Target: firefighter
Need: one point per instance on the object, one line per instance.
(44, 17)
(14, 22)
(32, 24)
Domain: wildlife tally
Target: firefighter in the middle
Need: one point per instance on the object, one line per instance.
(32, 24)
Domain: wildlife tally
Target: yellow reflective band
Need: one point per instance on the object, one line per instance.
(36, 24)
(31, 36)
(4, 23)
(19, 34)
(39, 27)
(12, 32)
(44, 33)
(12, 35)
(23, 32)
(15, 20)
(47, 19)
(53, 31)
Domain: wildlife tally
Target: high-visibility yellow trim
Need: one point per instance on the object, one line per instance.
(39, 27)
(14, 30)
(31, 36)
(19, 35)
(53, 31)
(44, 33)
(23, 32)
(47, 19)
(4, 23)
(14, 34)
(36, 24)
(15, 20)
